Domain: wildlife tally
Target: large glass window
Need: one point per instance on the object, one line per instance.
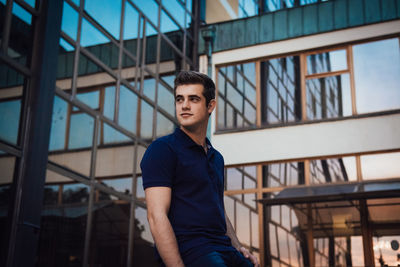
(280, 92)
(346, 81)
(11, 90)
(237, 96)
(376, 74)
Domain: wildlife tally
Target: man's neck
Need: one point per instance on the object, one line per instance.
(198, 135)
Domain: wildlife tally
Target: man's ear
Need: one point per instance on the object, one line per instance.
(211, 106)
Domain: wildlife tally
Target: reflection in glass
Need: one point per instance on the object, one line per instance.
(131, 23)
(327, 62)
(106, 13)
(238, 178)
(357, 252)
(109, 231)
(328, 97)
(146, 120)
(237, 96)
(167, 24)
(80, 131)
(71, 130)
(283, 235)
(283, 174)
(139, 187)
(149, 87)
(109, 102)
(65, 64)
(123, 185)
(165, 99)
(248, 8)
(58, 124)
(164, 125)
(128, 102)
(149, 8)
(91, 99)
(69, 23)
(63, 224)
(10, 110)
(244, 219)
(280, 94)
(99, 45)
(20, 42)
(380, 166)
(7, 165)
(333, 170)
(385, 254)
(115, 156)
(143, 254)
(376, 74)
(51, 194)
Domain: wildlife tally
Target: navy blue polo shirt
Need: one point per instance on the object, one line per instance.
(197, 181)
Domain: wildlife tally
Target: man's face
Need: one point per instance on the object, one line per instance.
(190, 106)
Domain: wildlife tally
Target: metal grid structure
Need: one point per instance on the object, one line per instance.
(113, 96)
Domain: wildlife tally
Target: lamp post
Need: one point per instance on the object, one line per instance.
(208, 34)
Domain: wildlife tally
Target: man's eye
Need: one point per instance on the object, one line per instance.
(195, 99)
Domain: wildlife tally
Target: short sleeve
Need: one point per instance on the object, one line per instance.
(158, 165)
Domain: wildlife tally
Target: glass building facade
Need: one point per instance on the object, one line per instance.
(307, 117)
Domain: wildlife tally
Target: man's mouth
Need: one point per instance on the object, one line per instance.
(186, 115)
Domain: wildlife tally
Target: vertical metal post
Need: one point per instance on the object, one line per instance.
(310, 238)
(366, 235)
(26, 206)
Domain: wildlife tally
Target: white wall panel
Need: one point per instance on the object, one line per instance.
(362, 135)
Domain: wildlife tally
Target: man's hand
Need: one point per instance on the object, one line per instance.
(246, 253)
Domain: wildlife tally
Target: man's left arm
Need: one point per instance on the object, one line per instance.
(236, 244)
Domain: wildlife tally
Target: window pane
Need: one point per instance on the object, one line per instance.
(143, 254)
(237, 97)
(116, 157)
(333, 170)
(11, 90)
(7, 165)
(128, 102)
(166, 99)
(327, 62)
(149, 8)
(20, 42)
(69, 24)
(328, 97)
(164, 125)
(90, 98)
(146, 123)
(380, 166)
(280, 93)
(376, 73)
(81, 131)
(109, 231)
(63, 224)
(99, 45)
(107, 13)
(283, 174)
(65, 64)
(383, 247)
(58, 124)
(175, 8)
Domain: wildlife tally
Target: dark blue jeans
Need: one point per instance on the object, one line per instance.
(222, 259)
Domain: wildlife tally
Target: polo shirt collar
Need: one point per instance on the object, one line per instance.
(187, 141)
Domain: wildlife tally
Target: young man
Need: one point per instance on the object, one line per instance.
(183, 178)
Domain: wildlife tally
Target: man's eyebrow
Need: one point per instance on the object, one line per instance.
(188, 96)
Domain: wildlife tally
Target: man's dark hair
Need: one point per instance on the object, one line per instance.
(194, 77)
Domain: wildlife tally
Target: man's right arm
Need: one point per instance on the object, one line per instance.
(158, 200)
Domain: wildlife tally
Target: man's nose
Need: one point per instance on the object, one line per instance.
(186, 104)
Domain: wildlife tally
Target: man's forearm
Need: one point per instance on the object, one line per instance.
(165, 240)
